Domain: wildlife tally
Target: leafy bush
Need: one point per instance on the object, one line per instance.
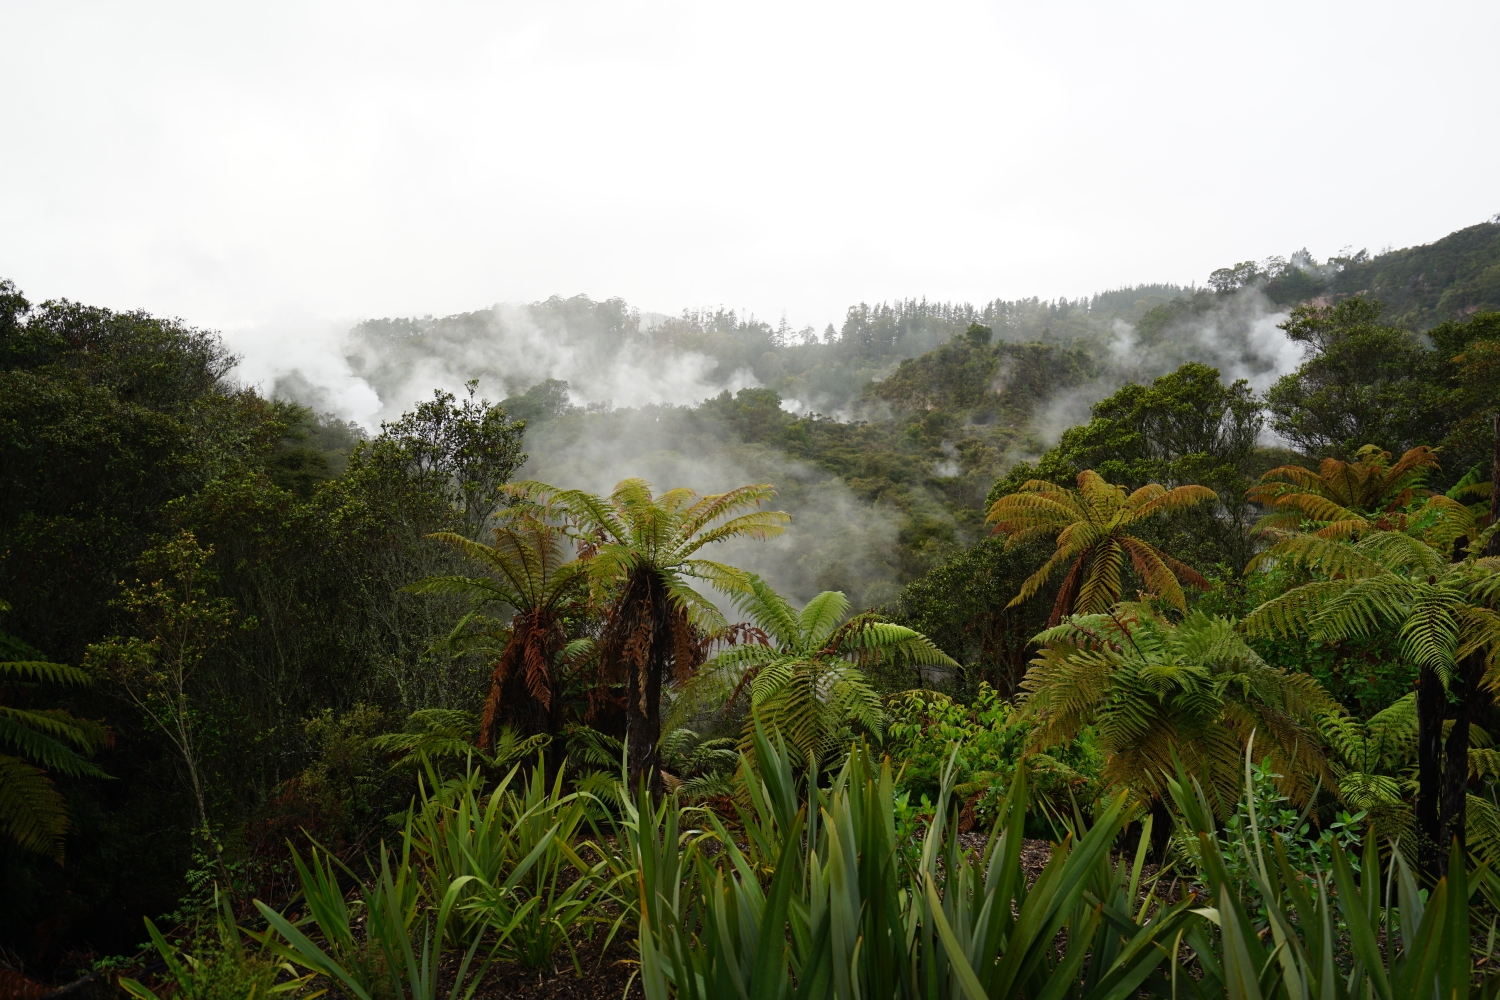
(990, 736)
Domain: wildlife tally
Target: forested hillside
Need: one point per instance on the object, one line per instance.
(233, 621)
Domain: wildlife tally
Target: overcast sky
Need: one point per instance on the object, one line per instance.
(275, 166)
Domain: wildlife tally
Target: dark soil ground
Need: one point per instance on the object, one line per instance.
(604, 977)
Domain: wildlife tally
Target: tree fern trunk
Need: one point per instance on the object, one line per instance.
(1493, 549)
(646, 650)
(1456, 755)
(1431, 703)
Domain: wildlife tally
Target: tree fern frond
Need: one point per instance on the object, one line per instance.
(589, 746)
(1398, 551)
(1179, 498)
(729, 580)
(32, 812)
(42, 672)
(759, 526)
(1348, 528)
(772, 612)
(702, 613)
(466, 586)
(1037, 580)
(1482, 829)
(1101, 584)
(1153, 569)
(43, 738)
(1362, 608)
(1292, 612)
(821, 615)
(1329, 556)
(1484, 763)
(712, 507)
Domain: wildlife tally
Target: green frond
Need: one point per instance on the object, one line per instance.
(1037, 580)
(1316, 507)
(710, 508)
(1279, 480)
(612, 562)
(32, 812)
(769, 610)
(1400, 552)
(1094, 631)
(1027, 508)
(475, 588)
(1331, 557)
(578, 650)
(1101, 584)
(877, 641)
(43, 738)
(1152, 566)
(1292, 613)
(759, 525)
(1482, 830)
(1150, 491)
(702, 613)
(1369, 792)
(589, 513)
(1098, 492)
(1277, 523)
(1484, 763)
(820, 616)
(812, 703)
(712, 685)
(42, 672)
(589, 746)
(1179, 498)
(1363, 608)
(726, 579)
(1348, 528)
(1429, 636)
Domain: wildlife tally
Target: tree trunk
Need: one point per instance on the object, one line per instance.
(645, 648)
(1456, 756)
(1432, 703)
(1493, 549)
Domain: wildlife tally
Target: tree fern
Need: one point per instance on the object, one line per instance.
(1090, 526)
(639, 551)
(1396, 578)
(531, 574)
(805, 678)
(1385, 581)
(1344, 499)
(1153, 690)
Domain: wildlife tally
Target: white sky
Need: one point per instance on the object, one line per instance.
(278, 167)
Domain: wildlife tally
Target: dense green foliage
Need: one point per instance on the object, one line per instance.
(236, 623)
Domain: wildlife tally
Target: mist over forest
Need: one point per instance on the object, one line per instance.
(880, 454)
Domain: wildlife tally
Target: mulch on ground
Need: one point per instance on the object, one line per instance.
(604, 977)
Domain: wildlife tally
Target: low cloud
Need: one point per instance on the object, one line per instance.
(1236, 333)
(378, 369)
